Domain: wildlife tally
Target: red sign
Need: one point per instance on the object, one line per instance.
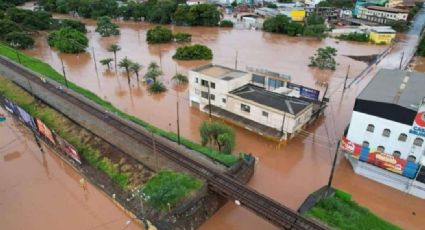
(42, 128)
(351, 147)
(68, 149)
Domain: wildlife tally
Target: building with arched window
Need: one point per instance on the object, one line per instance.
(388, 128)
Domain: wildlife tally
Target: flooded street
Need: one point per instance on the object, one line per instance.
(40, 191)
(287, 173)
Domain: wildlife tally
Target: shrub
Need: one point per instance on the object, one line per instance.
(105, 27)
(226, 23)
(193, 52)
(219, 134)
(399, 26)
(358, 37)
(182, 37)
(19, 40)
(74, 24)
(68, 40)
(159, 34)
(324, 58)
(180, 78)
(168, 188)
(157, 87)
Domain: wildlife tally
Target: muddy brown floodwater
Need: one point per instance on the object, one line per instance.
(40, 191)
(287, 174)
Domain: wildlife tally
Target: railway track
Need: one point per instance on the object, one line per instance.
(223, 184)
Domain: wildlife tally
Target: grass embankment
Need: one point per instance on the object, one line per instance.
(47, 71)
(61, 125)
(341, 212)
(167, 188)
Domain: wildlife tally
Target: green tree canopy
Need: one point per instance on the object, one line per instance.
(19, 40)
(218, 134)
(324, 58)
(105, 27)
(193, 52)
(107, 62)
(33, 20)
(74, 24)
(135, 68)
(226, 23)
(159, 34)
(126, 64)
(348, 4)
(182, 37)
(7, 26)
(68, 40)
(153, 71)
(180, 78)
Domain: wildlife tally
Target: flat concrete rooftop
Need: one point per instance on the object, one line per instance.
(218, 71)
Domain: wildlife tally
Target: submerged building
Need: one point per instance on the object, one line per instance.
(268, 105)
(385, 138)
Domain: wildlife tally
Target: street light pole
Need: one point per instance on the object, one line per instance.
(178, 120)
(401, 60)
(346, 78)
(64, 74)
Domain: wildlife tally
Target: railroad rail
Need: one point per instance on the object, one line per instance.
(223, 184)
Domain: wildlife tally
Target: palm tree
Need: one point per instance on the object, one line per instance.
(107, 62)
(180, 78)
(153, 71)
(126, 63)
(114, 48)
(135, 67)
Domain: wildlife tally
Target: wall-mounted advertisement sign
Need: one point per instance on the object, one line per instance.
(68, 149)
(379, 159)
(418, 127)
(42, 129)
(305, 91)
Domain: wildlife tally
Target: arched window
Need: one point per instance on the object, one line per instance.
(365, 144)
(418, 141)
(411, 158)
(396, 154)
(381, 149)
(386, 133)
(370, 128)
(402, 137)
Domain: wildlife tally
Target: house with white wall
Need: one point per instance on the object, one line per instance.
(381, 14)
(385, 138)
(231, 95)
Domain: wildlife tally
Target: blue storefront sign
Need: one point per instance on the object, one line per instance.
(305, 91)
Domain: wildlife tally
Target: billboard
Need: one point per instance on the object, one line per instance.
(68, 149)
(25, 117)
(418, 127)
(10, 106)
(305, 91)
(42, 129)
(379, 159)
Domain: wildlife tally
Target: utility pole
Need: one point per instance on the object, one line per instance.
(160, 56)
(401, 60)
(333, 167)
(64, 74)
(236, 60)
(154, 151)
(323, 99)
(178, 120)
(209, 100)
(283, 123)
(94, 59)
(346, 78)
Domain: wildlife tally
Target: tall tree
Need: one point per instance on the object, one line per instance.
(107, 62)
(135, 68)
(125, 64)
(114, 48)
(153, 71)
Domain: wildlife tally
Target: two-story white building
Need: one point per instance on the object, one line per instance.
(230, 94)
(381, 14)
(387, 130)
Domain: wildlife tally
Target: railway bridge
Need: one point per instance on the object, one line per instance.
(223, 184)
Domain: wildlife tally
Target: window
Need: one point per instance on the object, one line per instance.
(245, 108)
(402, 137)
(223, 100)
(204, 94)
(365, 144)
(396, 154)
(386, 133)
(212, 85)
(411, 158)
(265, 114)
(204, 83)
(418, 142)
(197, 92)
(370, 128)
(212, 96)
(196, 80)
(381, 149)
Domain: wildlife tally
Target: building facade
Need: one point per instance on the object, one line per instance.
(232, 95)
(382, 35)
(387, 130)
(382, 15)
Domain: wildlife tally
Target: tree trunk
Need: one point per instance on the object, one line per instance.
(115, 58)
(128, 75)
(137, 75)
